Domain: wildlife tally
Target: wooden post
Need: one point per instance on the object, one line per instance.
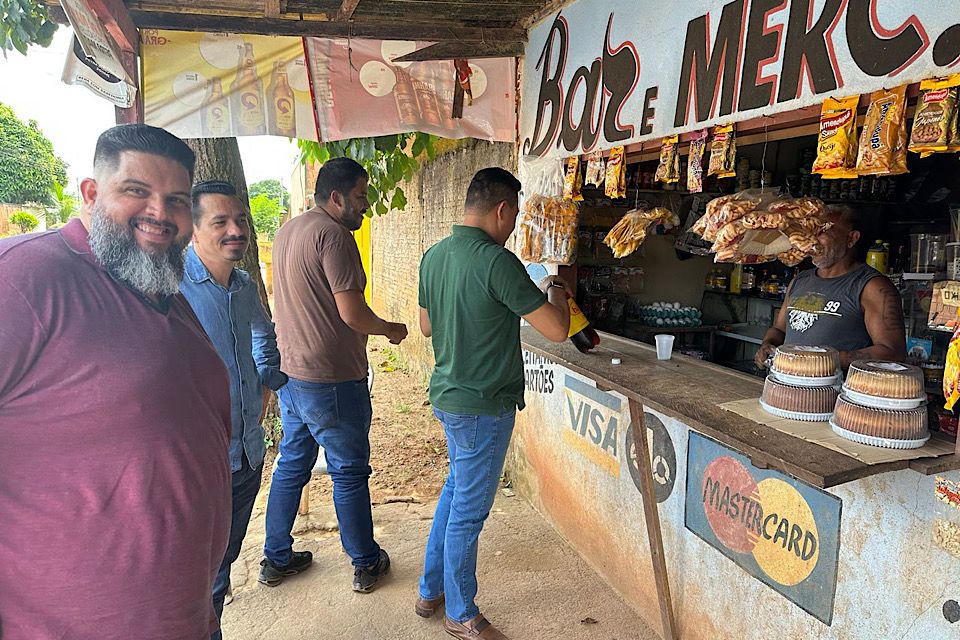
(304, 508)
(652, 517)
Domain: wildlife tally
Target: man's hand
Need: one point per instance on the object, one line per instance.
(763, 353)
(396, 332)
(546, 282)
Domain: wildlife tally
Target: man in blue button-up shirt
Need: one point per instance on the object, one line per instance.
(228, 305)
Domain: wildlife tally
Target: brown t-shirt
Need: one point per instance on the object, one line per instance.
(314, 257)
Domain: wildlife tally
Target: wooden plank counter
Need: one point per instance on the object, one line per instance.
(690, 390)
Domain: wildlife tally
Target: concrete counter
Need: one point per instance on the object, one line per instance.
(727, 528)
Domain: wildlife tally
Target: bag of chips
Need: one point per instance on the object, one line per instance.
(837, 144)
(668, 171)
(616, 182)
(595, 166)
(547, 230)
(951, 372)
(936, 113)
(573, 180)
(883, 141)
(723, 152)
(695, 162)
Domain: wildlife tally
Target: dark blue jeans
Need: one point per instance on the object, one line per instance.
(335, 416)
(246, 485)
(477, 447)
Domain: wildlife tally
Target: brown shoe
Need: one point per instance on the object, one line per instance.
(475, 629)
(426, 608)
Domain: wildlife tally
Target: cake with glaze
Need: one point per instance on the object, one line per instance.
(883, 379)
(810, 403)
(806, 362)
(891, 424)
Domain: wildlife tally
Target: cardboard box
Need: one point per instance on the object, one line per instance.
(944, 306)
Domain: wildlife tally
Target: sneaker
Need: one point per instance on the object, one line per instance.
(272, 575)
(365, 579)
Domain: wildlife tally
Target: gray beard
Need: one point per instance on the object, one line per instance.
(115, 246)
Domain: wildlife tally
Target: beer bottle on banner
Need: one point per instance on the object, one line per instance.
(247, 91)
(216, 111)
(281, 108)
(583, 336)
(403, 92)
(446, 87)
(426, 95)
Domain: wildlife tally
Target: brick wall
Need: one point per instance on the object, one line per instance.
(435, 202)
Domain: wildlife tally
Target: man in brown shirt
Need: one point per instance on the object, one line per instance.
(322, 327)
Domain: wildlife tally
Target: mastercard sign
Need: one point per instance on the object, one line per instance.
(780, 530)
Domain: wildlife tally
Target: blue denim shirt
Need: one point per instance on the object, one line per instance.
(243, 335)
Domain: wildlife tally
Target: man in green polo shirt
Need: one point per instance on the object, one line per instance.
(473, 293)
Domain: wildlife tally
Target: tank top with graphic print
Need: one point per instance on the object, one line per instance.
(827, 311)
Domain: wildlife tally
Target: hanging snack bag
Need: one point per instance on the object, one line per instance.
(936, 110)
(951, 373)
(668, 170)
(616, 182)
(723, 152)
(883, 141)
(573, 180)
(595, 166)
(547, 230)
(695, 162)
(837, 144)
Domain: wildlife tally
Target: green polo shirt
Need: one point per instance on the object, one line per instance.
(475, 291)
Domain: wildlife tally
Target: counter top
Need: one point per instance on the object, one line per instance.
(690, 390)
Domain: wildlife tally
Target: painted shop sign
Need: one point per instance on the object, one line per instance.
(663, 457)
(538, 374)
(779, 530)
(593, 423)
(595, 78)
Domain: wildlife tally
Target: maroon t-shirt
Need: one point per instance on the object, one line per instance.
(114, 430)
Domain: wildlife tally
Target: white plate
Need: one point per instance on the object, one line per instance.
(795, 415)
(882, 403)
(803, 381)
(886, 443)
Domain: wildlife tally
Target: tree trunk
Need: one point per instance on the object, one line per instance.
(219, 159)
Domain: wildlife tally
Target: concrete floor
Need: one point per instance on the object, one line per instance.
(532, 585)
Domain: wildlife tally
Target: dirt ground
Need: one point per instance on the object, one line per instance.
(408, 451)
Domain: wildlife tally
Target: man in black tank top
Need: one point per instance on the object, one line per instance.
(843, 303)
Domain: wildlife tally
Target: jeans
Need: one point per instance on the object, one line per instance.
(477, 446)
(246, 484)
(335, 416)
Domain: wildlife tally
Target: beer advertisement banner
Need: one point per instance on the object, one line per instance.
(361, 91)
(221, 85)
(781, 531)
(595, 78)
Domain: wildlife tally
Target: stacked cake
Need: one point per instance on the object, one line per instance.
(803, 383)
(883, 404)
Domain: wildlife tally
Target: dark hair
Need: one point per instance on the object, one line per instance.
(143, 138)
(490, 187)
(339, 174)
(221, 187)
(851, 217)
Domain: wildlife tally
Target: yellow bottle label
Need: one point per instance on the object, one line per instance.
(578, 321)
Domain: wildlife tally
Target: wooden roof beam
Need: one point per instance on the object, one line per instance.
(357, 28)
(347, 7)
(271, 8)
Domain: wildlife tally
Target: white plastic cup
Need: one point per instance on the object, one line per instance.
(664, 346)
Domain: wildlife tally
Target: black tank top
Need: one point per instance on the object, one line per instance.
(827, 311)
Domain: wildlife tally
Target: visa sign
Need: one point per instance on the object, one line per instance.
(594, 422)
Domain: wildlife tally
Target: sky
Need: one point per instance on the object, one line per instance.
(72, 117)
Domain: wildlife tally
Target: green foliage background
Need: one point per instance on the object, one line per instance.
(28, 166)
(388, 160)
(23, 23)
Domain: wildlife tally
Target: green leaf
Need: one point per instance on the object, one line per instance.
(381, 208)
(373, 195)
(399, 200)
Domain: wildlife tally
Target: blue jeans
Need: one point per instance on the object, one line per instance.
(246, 485)
(335, 416)
(477, 446)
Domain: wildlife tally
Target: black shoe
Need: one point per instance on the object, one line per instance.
(272, 575)
(365, 579)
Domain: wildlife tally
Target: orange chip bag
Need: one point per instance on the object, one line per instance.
(837, 145)
(573, 180)
(951, 373)
(615, 185)
(936, 110)
(723, 152)
(668, 171)
(883, 141)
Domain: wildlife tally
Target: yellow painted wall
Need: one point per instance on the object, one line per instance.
(364, 243)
